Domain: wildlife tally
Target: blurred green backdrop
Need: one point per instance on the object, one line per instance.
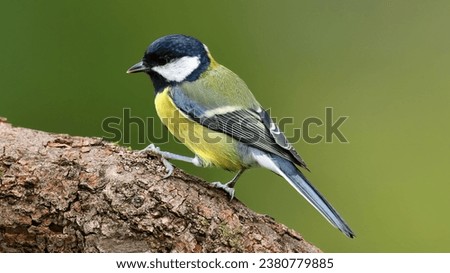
(385, 64)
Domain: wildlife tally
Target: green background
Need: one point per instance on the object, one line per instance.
(385, 64)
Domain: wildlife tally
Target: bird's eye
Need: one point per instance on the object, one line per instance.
(167, 59)
(162, 60)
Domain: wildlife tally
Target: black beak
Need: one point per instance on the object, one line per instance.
(139, 67)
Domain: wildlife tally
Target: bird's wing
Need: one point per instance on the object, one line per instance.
(252, 125)
(279, 137)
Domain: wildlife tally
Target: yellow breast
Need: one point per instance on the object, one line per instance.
(212, 147)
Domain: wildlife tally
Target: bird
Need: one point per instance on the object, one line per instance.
(212, 111)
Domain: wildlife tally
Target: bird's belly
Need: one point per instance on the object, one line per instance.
(214, 148)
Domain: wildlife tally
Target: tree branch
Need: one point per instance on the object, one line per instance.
(61, 193)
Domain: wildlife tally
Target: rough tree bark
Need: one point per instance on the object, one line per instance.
(61, 193)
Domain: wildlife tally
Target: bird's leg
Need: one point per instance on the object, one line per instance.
(229, 186)
(167, 155)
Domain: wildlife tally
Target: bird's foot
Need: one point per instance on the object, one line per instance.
(224, 187)
(169, 167)
(156, 150)
(151, 148)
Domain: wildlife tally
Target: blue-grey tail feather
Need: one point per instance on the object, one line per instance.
(299, 181)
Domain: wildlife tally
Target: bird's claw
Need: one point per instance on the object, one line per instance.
(169, 167)
(224, 187)
(154, 149)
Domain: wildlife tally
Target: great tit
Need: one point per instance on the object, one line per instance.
(213, 112)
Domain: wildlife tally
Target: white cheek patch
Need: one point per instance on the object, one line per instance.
(179, 69)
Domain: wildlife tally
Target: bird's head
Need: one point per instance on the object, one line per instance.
(173, 59)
